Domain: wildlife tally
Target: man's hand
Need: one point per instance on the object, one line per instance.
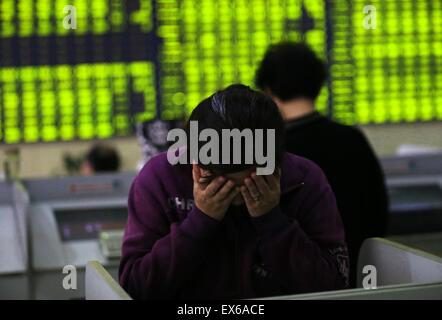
(261, 193)
(215, 197)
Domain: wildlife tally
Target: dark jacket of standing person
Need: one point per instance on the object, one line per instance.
(293, 75)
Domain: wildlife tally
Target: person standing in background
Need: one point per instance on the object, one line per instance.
(100, 159)
(293, 76)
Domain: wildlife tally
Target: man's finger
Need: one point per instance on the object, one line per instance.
(205, 176)
(253, 190)
(205, 173)
(214, 186)
(261, 184)
(232, 194)
(278, 172)
(224, 190)
(196, 175)
(272, 181)
(246, 195)
(204, 180)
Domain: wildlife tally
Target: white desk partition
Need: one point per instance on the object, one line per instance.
(402, 273)
(428, 242)
(14, 204)
(100, 285)
(431, 291)
(14, 273)
(398, 264)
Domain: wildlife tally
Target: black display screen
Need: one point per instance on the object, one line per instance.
(415, 198)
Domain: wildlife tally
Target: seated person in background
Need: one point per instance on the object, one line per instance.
(100, 159)
(293, 76)
(220, 230)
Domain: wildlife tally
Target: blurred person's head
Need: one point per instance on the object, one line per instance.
(293, 75)
(239, 107)
(100, 159)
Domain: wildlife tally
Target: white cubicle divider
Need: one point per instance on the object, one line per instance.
(396, 263)
(100, 285)
(14, 278)
(402, 273)
(428, 242)
(429, 291)
(13, 240)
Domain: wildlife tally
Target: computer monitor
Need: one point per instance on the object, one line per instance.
(75, 220)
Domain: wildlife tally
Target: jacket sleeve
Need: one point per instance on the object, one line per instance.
(308, 253)
(374, 195)
(158, 256)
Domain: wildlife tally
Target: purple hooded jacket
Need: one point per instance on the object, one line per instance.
(173, 250)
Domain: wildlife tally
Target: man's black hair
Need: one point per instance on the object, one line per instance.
(291, 70)
(239, 107)
(103, 158)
